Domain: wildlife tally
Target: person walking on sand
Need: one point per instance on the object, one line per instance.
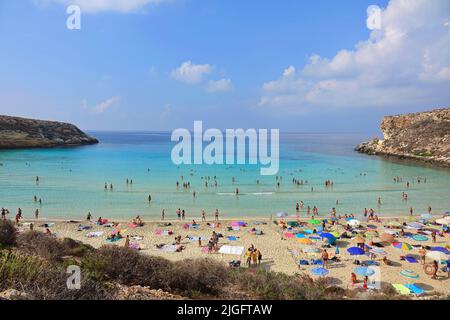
(255, 257)
(259, 256)
(433, 236)
(248, 256)
(422, 254)
(127, 241)
(203, 216)
(216, 215)
(435, 269)
(325, 258)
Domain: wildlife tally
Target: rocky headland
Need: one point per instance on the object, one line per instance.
(16, 132)
(422, 136)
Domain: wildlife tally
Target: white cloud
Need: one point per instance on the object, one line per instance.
(105, 105)
(94, 6)
(220, 85)
(191, 73)
(406, 63)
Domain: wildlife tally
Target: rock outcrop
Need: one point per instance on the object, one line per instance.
(423, 136)
(18, 132)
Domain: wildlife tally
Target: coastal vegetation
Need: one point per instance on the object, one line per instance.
(35, 264)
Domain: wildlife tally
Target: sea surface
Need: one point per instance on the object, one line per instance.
(72, 180)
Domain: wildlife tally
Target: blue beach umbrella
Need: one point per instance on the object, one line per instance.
(355, 251)
(441, 249)
(319, 271)
(364, 271)
(331, 239)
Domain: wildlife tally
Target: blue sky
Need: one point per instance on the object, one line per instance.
(253, 63)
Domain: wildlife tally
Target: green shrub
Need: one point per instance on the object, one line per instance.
(8, 233)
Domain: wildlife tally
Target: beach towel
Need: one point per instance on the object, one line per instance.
(196, 238)
(303, 262)
(205, 249)
(414, 288)
(135, 246)
(401, 288)
(47, 225)
(411, 259)
(315, 262)
(231, 238)
(159, 232)
(137, 238)
(288, 235)
(132, 225)
(231, 250)
(113, 240)
(168, 248)
(94, 234)
(81, 228)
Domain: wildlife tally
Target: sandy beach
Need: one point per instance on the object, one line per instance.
(278, 254)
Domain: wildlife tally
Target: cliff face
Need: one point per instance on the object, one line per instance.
(423, 136)
(18, 132)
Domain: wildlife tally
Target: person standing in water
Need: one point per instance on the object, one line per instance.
(216, 215)
(36, 214)
(162, 214)
(149, 198)
(203, 216)
(89, 216)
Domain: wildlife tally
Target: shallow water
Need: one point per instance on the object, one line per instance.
(72, 180)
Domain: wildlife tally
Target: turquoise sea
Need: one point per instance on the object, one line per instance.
(72, 180)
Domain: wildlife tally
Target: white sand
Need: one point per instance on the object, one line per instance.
(276, 256)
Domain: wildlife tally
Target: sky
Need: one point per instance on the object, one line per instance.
(300, 66)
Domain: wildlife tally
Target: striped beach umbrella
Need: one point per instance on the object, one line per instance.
(325, 235)
(409, 274)
(403, 246)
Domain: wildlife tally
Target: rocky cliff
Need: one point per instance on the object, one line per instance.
(423, 136)
(18, 132)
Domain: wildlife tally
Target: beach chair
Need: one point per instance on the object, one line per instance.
(414, 288)
(401, 288)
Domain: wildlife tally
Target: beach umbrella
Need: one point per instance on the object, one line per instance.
(320, 272)
(355, 251)
(436, 255)
(304, 241)
(310, 249)
(415, 225)
(420, 237)
(364, 271)
(378, 251)
(336, 234)
(314, 222)
(409, 274)
(282, 214)
(394, 223)
(443, 221)
(403, 246)
(426, 216)
(354, 223)
(387, 237)
(292, 223)
(441, 249)
(358, 239)
(325, 235)
(299, 235)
